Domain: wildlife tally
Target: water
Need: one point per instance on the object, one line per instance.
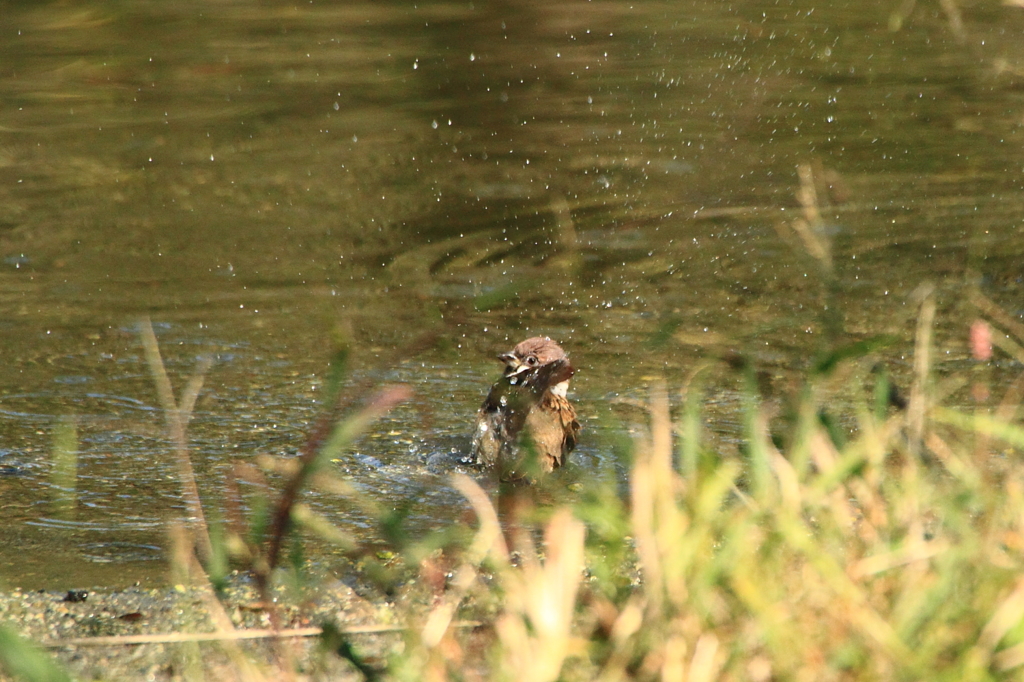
(620, 177)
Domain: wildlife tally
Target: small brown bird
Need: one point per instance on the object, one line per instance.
(526, 412)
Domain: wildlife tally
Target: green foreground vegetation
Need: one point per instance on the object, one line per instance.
(895, 553)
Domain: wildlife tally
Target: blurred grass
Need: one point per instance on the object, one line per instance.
(871, 560)
(23, 661)
(894, 552)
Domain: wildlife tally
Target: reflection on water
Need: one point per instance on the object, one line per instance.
(620, 177)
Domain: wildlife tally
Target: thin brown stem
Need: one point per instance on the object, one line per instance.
(177, 418)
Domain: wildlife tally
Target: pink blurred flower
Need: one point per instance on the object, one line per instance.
(981, 340)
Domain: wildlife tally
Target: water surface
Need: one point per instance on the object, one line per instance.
(621, 177)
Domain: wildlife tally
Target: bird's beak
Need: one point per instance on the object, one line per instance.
(513, 365)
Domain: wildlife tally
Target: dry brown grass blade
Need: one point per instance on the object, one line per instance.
(177, 637)
(850, 596)
(1007, 616)
(646, 487)
(789, 480)
(536, 628)
(807, 195)
(1010, 658)
(706, 660)
(1007, 345)
(912, 551)
(1000, 316)
(488, 541)
(917, 407)
(489, 538)
(808, 228)
(1009, 406)
(165, 393)
(193, 387)
(235, 635)
(953, 462)
(177, 418)
(982, 423)
(185, 568)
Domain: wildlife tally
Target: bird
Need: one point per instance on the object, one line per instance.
(527, 423)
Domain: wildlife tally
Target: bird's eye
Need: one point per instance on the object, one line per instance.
(532, 360)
